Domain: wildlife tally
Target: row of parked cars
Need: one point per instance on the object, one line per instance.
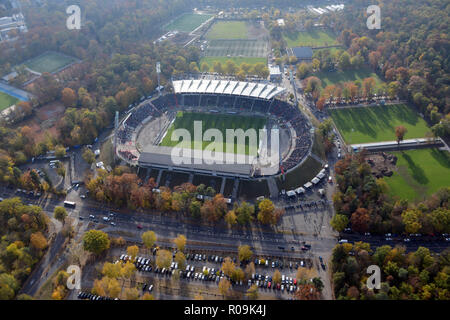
(89, 296)
(265, 281)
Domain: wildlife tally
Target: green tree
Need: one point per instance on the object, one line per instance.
(95, 241)
(60, 214)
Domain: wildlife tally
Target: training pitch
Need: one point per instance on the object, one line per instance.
(49, 62)
(6, 101)
(222, 122)
(420, 173)
(335, 77)
(187, 22)
(228, 30)
(314, 38)
(377, 124)
(237, 48)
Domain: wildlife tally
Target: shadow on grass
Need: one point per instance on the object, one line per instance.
(441, 157)
(418, 173)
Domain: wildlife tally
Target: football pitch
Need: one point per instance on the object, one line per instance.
(6, 101)
(49, 62)
(420, 173)
(237, 48)
(222, 122)
(237, 60)
(329, 78)
(187, 22)
(314, 38)
(377, 124)
(228, 30)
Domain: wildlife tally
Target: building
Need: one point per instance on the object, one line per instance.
(303, 54)
(275, 73)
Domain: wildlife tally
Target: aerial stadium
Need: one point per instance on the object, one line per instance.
(147, 137)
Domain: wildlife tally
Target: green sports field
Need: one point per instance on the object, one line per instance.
(238, 60)
(420, 173)
(228, 30)
(329, 78)
(237, 48)
(377, 124)
(187, 22)
(222, 122)
(6, 101)
(313, 38)
(49, 62)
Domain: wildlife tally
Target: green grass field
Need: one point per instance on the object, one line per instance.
(336, 77)
(376, 124)
(237, 48)
(187, 22)
(49, 62)
(6, 101)
(185, 120)
(313, 38)
(228, 30)
(238, 60)
(420, 174)
(301, 175)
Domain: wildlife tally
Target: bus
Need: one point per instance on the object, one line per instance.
(69, 204)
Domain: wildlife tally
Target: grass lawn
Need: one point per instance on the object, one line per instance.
(301, 175)
(376, 124)
(228, 30)
(49, 62)
(238, 60)
(420, 173)
(222, 122)
(6, 101)
(336, 77)
(313, 38)
(187, 22)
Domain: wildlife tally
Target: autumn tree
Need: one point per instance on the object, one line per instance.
(88, 155)
(60, 214)
(224, 286)
(180, 242)
(228, 266)
(163, 259)
(95, 241)
(244, 253)
(133, 251)
(149, 239)
(68, 97)
(276, 276)
(339, 222)
(400, 132)
(252, 292)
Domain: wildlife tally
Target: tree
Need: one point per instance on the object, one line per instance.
(252, 292)
(180, 242)
(149, 239)
(244, 253)
(412, 220)
(60, 214)
(131, 294)
(307, 292)
(266, 212)
(276, 277)
(38, 241)
(224, 286)
(107, 287)
(88, 155)
(133, 251)
(60, 151)
(95, 241)
(360, 220)
(180, 258)
(147, 296)
(228, 266)
(163, 259)
(339, 222)
(400, 132)
(230, 218)
(68, 97)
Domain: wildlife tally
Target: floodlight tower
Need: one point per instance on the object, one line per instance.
(116, 126)
(158, 72)
(293, 87)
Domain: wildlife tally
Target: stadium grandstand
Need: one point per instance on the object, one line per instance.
(139, 136)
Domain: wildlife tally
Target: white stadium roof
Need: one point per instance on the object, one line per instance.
(237, 88)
